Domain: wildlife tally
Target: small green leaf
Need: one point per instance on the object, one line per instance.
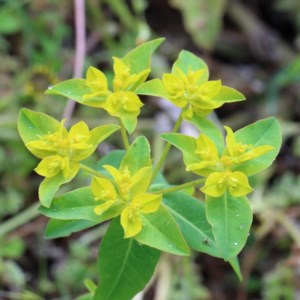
(139, 58)
(125, 267)
(160, 231)
(230, 218)
(63, 228)
(49, 187)
(77, 205)
(228, 94)
(211, 130)
(138, 155)
(154, 88)
(185, 143)
(75, 89)
(32, 125)
(189, 214)
(188, 61)
(260, 133)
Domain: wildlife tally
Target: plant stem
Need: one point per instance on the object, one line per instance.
(90, 170)
(80, 45)
(180, 187)
(167, 147)
(124, 135)
(20, 219)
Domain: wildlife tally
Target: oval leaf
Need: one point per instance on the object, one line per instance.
(75, 89)
(263, 132)
(154, 88)
(77, 205)
(185, 143)
(189, 214)
(211, 130)
(230, 218)
(32, 125)
(63, 228)
(138, 155)
(124, 266)
(188, 61)
(161, 231)
(139, 58)
(49, 187)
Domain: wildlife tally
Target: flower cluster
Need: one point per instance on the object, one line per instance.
(127, 196)
(223, 172)
(61, 150)
(122, 101)
(188, 87)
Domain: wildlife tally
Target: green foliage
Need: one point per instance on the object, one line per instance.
(160, 231)
(263, 132)
(230, 219)
(118, 255)
(148, 215)
(190, 215)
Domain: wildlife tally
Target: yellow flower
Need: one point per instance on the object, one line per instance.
(239, 152)
(131, 216)
(220, 171)
(52, 165)
(126, 106)
(61, 150)
(192, 91)
(127, 196)
(208, 156)
(97, 82)
(124, 80)
(236, 183)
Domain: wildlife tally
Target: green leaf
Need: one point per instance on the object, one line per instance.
(32, 125)
(139, 58)
(49, 187)
(138, 155)
(234, 262)
(185, 143)
(160, 231)
(189, 214)
(100, 133)
(75, 89)
(113, 158)
(260, 133)
(228, 94)
(154, 88)
(63, 228)
(202, 20)
(124, 266)
(211, 130)
(230, 218)
(187, 61)
(77, 205)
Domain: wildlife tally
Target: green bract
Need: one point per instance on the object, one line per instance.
(187, 87)
(61, 151)
(148, 215)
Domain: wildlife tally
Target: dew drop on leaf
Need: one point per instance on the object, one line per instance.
(235, 244)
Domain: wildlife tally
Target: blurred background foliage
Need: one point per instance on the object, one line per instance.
(252, 46)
